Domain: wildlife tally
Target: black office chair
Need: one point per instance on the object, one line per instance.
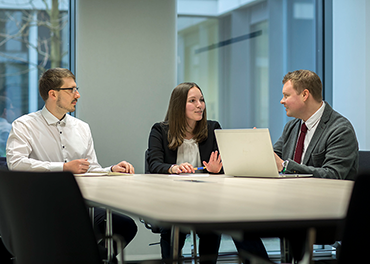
(43, 219)
(5, 256)
(146, 162)
(363, 161)
(3, 165)
(154, 228)
(356, 229)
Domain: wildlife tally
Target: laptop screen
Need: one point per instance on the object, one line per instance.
(247, 152)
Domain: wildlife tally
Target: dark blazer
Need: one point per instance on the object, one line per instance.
(332, 152)
(160, 157)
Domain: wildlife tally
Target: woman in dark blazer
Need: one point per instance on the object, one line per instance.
(183, 142)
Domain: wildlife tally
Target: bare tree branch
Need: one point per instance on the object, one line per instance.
(48, 48)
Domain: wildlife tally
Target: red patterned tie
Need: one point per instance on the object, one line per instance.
(300, 143)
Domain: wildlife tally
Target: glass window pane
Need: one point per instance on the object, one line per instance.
(33, 37)
(239, 55)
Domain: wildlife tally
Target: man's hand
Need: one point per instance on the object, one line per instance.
(123, 167)
(77, 166)
(279, 162)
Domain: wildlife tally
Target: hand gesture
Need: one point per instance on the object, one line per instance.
(214, 164)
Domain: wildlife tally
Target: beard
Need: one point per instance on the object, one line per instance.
(69, 108)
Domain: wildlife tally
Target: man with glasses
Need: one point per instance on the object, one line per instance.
(52, 140)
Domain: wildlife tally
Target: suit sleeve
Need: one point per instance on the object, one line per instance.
(336, 161)
(211, 142)
(157, 151)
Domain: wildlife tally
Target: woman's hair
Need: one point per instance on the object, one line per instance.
(53, 79)
(176, 117)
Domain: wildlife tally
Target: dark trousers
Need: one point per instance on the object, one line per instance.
(209, 244)
(251, 245)
(122, 225)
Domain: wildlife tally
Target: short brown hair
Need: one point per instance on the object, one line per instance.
(176, 117)
(305, 79)
(52, 79)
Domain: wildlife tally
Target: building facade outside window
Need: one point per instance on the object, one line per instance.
(34, 36)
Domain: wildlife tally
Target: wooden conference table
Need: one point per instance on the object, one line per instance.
(259, 206)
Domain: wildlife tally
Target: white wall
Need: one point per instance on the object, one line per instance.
(351, 65)
(126, 70)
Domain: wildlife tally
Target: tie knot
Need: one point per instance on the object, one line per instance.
(304, 128)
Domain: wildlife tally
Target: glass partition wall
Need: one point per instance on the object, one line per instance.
(239, 55)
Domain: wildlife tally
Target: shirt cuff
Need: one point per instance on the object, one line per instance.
(56, 166)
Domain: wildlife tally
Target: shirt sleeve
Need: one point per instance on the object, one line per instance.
(18, 151)
(92, 158)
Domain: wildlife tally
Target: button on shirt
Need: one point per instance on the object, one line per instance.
(311, 124)
(41, 142)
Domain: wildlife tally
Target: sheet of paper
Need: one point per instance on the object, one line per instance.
(101, 173)
(189, 175)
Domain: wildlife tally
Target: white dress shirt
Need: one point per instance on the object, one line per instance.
(311, 124)
(189, 152)
(41, 142)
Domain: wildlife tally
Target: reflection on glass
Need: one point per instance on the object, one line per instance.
(33, 37)
(239, 55)
(6, 118)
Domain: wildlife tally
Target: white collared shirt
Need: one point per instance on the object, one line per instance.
(189, 152)
(311, 124)
(41, 142)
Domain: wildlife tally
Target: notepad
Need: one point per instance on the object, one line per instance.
(101, 173)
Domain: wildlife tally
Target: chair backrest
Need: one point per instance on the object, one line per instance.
(146, 163)
(356, 231)
(364, 161)
(44, 218)
(3, 165)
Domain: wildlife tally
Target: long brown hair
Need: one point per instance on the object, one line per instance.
(176, 118)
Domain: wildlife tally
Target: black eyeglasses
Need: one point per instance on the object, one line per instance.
(73, 90)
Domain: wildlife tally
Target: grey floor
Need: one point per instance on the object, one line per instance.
(228, 253)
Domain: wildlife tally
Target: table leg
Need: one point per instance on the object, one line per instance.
(109, 234)
(285, 254)
(91, 214)
(175, 233)
(195, 251)
(304, 244)
(308, 250)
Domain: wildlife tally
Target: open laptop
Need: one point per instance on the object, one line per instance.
(249, 153)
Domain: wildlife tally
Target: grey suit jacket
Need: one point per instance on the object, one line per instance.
(332, 152)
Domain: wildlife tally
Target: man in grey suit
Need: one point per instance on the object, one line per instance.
(330, 147)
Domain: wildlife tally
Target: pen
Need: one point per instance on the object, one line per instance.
(200, 168)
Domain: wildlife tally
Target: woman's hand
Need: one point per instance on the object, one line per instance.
(182, 168)
(214, 164)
